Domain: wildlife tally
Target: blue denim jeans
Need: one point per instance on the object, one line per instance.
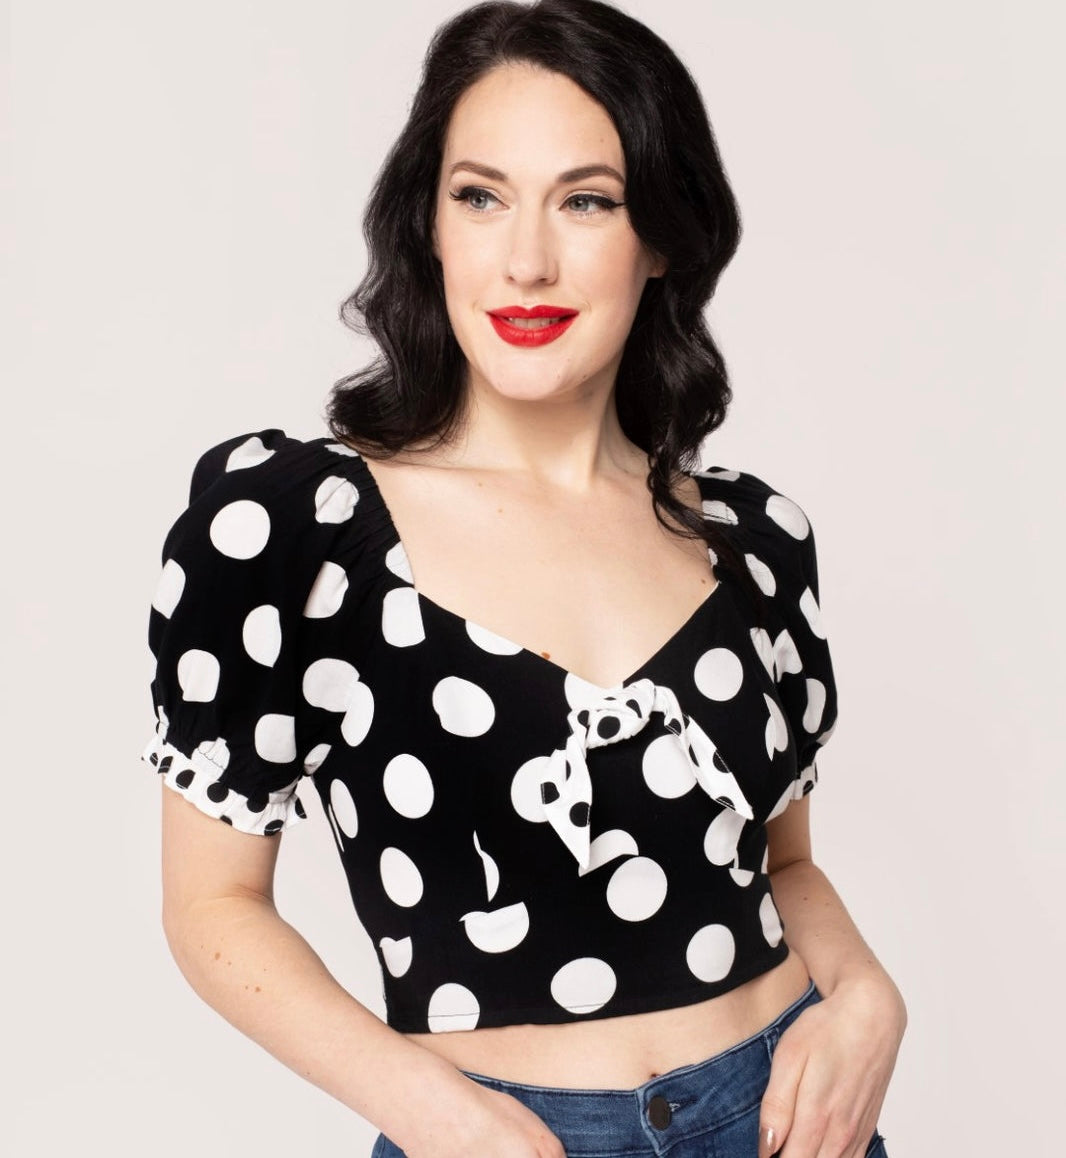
(706, 1110)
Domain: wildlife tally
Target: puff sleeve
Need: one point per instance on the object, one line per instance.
(238, 569)
(804, 666)
(777, 541)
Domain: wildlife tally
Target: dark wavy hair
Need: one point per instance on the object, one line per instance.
(672, 388)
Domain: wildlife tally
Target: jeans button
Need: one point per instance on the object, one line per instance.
(659, 1112)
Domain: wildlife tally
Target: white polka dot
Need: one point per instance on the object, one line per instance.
(490, 641)
(400, 877)
(397, 562)
(584, 985)
(720, 512)
(251, 452)
(765, 859)
(776, 728)
(498, 931)
(580, 693)
(275, 738)
(786, 657)
(359, 716)
(719, 674)
(637, 889)
(217, 751)
(198, 674)
(771, 920)
(492, 871)
(525, 790)
(788, 516)
(742, 877)
(812, 612)
(452, 1007)
(710, 952)
(608, 846)
(241, 529)
(329, 684)
(401, 617)
(667, 769)
(764, 647)
(719, 472)
(169, 588)
(408, 786)
(762, 574)
(313, 760)
(340, 799)
(464, 708)
(327, 594)
(397, 955)
(340, 448)
(812, 717)
(335, 500)
(262, 634)
(720, 841)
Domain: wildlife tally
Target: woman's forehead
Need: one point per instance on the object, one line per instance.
(527, 122)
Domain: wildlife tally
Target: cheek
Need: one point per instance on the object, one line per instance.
(465, 263)
(617, 268)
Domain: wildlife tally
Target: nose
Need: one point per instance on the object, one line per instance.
(532, 253)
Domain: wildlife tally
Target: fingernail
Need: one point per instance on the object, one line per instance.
(769, 1140)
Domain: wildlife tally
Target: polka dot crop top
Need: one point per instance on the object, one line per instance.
(521, 845)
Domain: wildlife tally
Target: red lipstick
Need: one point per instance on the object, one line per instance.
(533, 336)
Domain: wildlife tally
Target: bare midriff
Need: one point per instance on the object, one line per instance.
(623, 1052)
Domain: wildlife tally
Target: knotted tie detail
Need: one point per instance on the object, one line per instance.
(566, 788)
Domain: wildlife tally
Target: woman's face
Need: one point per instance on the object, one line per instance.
(517, 226)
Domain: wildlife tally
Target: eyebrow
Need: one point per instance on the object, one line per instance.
(578, 174)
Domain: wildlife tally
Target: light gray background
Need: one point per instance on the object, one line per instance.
(187, 197)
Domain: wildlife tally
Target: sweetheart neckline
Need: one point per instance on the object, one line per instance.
(565, 672)
(519, 649)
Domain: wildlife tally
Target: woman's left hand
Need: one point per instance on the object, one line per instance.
(830, 1072)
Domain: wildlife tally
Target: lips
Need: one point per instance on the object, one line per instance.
(535, 326)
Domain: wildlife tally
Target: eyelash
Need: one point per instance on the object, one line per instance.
(605, 204)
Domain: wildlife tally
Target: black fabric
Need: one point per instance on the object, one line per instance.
(520, 845)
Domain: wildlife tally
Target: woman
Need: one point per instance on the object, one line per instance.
(577, 879)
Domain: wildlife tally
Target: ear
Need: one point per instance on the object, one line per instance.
(659, 264)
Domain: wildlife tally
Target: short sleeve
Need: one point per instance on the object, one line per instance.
(777, 541)
(238, 569)
(804, 674)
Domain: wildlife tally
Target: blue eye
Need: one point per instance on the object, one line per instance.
(469, 191)
(598, 203)
(602, 203)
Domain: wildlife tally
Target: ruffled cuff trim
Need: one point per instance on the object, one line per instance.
(805, 781)
(196, 777)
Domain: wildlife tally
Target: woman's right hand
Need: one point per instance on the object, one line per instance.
(482, 1122)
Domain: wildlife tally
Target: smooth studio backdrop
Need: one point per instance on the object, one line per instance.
(183, 224)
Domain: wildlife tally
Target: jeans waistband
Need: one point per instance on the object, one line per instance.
(684, 1102)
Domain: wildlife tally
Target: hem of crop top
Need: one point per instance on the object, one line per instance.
(527, 1014)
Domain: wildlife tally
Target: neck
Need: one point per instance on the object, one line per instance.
(566, 443)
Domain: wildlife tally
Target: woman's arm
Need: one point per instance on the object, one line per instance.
(817, 924)
(256, 970)
(832, 1066)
